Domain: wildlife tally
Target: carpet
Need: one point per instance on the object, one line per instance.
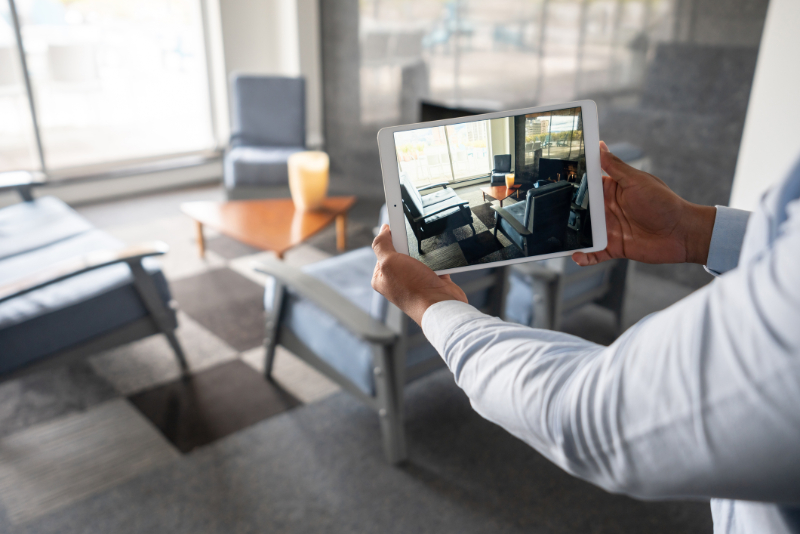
(478, 246)
(320, 468)
(485, 213)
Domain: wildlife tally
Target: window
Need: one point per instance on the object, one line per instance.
(112, 80)
(558, 134)
(444, 153)
(469, 149)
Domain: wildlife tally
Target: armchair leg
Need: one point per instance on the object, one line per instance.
(271, 326)
(178, 350)
(473, 229)
(390, 406)
(162, 315)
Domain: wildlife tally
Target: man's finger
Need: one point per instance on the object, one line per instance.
(382, 245)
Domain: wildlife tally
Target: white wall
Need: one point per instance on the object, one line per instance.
(771, 138)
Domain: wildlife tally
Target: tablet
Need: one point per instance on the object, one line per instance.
(495, 189)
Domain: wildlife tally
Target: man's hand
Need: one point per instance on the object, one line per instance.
(408, 283)
(646, 221)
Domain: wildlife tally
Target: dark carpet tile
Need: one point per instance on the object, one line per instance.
(50, 393)
(358, 235)
(229, 248)
(320, 468)
(478, 246)
(226, 303)
(485, 213)
(212, 404)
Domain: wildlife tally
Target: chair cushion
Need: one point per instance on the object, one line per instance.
(350, 275)
(268, 111)
(30, 225)
(438, 196)
(256, 166)
(67, 313)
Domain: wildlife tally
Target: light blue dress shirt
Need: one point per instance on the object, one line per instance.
(698, 401)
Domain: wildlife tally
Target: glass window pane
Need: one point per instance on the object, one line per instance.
(117, 79)
(422, 155)
(469, 149)
(17, 141)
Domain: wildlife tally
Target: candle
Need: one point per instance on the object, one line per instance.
(308, 179)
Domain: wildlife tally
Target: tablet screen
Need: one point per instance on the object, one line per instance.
(495, 189)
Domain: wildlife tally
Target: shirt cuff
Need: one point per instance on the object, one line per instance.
(726, 240)
(441, 319)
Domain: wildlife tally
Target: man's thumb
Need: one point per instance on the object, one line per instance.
(382, 245)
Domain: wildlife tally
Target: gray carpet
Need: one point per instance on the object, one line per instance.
(319, 468)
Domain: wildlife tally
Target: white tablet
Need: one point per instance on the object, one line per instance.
(495, 189)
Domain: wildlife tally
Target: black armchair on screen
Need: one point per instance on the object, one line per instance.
(534, 224)
(433, 214)
(502, 166)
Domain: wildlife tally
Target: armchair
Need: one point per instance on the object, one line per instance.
(502, 166)
(268, 119)
(543, 216)
(68, 290)
(433, 214)
(328, 315)
(541, 293)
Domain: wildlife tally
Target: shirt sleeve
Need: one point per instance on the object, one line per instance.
(726, 240)
(696, 401)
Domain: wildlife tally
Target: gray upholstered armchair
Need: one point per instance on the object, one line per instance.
(328, 315)
(541, 218)
(502, 166)
(433, 214)
(268, 124)
(68, 290)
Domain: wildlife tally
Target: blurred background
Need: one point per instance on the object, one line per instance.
(127, 125)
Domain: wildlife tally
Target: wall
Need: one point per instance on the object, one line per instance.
(771, 139)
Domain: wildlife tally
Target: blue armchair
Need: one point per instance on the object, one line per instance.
(502, 166)
(328, 315)
(268, 124)
(68, 289)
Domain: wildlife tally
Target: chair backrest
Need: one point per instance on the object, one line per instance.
(582, 196)
(412, 200)
(548, 206)
(268, 111)
(502, 163)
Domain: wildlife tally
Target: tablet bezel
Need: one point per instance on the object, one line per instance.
(591, 134)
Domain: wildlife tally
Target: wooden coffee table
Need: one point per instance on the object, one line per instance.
(500, 192)
(269, 224)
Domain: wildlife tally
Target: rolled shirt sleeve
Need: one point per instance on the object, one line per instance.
(726, 240)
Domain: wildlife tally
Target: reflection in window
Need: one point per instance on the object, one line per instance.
(502, 54)
(558, 134)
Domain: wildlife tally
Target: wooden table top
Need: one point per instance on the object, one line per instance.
(500, 192)
(269, 224)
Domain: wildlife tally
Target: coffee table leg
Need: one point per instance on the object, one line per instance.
(201, 242)
(341, 232)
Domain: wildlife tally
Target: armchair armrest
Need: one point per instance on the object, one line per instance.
(22, 181)
(348, 314)
(510, 219)
(75, 266)
(460, 205)
(443, 185)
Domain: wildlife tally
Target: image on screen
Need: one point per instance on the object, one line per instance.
(496, 189)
